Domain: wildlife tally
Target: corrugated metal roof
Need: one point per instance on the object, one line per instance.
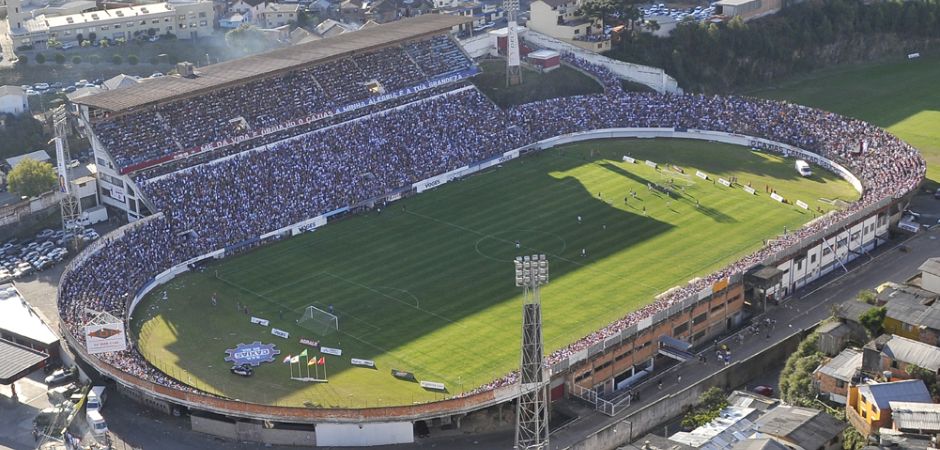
(240, 71)
(898, 391)
(911, 308)
(913, 352)
(17, 318)
(916, 416)
(15, 360)
(759, 444)
(931, 266)
(805, 427)
(852, 309)
(843, 366)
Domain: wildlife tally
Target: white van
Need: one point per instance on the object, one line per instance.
(96, 398)
(96, 422)
(802, 167)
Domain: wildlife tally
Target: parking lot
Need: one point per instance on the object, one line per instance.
(19, 259)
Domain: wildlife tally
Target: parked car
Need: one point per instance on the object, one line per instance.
(244, 370)
(60, 376)
(764, 390)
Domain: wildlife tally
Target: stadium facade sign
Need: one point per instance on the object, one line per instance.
(260, 321)
(105, 338)
(362, 362)
(280, 333)
(254, 353)
(331, 351)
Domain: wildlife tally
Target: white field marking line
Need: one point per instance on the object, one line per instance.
(345, 314)
(406, 291)
(292, 283)
(396, 299)
(476, 245)
(591, 267)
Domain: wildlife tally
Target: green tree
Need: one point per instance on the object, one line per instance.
(40, 58)
(30, 178)
(21, 132)
(709, 406)
(246, 38)
(104, 43)
(116, 59)
(796, 378)
(23, 59)
(59, 59)
(77, 59)
(94, 59)
(929, 378)
(133, 60)
(868, 296)
(852, 439)
(873, 320)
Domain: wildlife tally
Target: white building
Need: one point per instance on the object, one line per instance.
(560, 20)
(185, 19)
(13, 100)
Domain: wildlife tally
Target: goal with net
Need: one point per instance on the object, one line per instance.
(319, 321)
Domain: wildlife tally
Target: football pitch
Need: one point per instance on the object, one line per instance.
(426, 285)
(900, 96)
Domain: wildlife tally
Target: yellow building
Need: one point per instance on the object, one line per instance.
(868, 408)
(559, 19)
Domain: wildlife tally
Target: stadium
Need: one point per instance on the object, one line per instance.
(357, 202)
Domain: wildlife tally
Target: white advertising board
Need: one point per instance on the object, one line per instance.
(105, 338)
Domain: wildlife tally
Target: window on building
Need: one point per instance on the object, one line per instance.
(88, 201)
(680, 329)
(718, 307)
(894, 364)
(699, 318)
(799, 264)
(812, 259)
(105, 28)
(117, 25)
(840, 384)
(826, 250)
(203, 23)
(202, 14)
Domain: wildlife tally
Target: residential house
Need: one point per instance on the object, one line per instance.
(560, 20)
(833, 378)
(759, 444)
(833, 337)
(930, 275)
(13, 100)
(848, 313)
(912, 313)
(482, 15)
(801, 428)
(916, 418)
(330, 28)
(264, 14)
(275, 15)
(897, 355)
(868, 407)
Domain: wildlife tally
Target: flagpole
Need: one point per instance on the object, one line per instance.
(324, 368)
(308, 366)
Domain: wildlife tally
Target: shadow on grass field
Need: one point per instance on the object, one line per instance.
(562, 82)
(426, 285)
(901, 96)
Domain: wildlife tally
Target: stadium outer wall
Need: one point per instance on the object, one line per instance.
(570, 372)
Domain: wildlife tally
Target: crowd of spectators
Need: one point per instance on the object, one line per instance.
(182, 125)
(220, 203)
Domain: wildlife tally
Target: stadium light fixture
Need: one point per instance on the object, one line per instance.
(531, 270)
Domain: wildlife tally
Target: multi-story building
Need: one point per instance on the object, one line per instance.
(898, 355)
(184, 19)
(869, 405)
(560, 19)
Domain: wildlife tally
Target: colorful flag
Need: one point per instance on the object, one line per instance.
(303, 353)
(287, 359)
(295, 360)
(312, 362)
(322, 361)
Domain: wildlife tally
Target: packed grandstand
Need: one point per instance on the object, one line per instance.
(225, 164)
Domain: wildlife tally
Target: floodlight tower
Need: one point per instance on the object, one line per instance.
(532, 409)
(513, 67)
(69, 204)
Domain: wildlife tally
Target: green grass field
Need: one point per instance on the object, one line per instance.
(902, 97)
(429, 289)
(561, 82)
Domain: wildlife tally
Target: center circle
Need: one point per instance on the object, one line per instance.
(502, 246)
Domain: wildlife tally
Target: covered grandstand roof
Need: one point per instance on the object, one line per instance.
(242, 70)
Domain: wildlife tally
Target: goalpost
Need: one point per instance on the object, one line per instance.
(319, 321)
